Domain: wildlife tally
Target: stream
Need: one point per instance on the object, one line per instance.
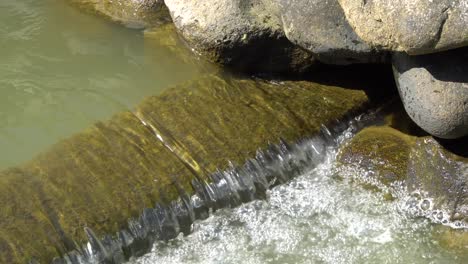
(62, 70)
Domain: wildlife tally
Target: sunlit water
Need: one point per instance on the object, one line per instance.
(61, 70)
(315, 218)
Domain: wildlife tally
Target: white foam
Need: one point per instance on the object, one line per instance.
(315, 218)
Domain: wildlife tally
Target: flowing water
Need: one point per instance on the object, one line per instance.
(61, 70)
(315, 218)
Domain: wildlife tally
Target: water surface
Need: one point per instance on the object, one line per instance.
(62, 69)
(315, 218)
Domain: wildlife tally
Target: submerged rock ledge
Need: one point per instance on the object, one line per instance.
(432, 181)
(109, 173)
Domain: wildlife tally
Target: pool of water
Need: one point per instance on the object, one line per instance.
(62, 69)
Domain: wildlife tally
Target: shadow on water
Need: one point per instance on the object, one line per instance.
(447, 66)
(375, 79)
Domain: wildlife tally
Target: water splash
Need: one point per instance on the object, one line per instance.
(313, 218)
(275, 165)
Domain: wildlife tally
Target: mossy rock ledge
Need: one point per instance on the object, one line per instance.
(384, 158)
(112, 171)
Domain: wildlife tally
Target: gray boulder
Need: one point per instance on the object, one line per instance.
(245, 34)
(413, 26)
(321, 27)
(434, 91)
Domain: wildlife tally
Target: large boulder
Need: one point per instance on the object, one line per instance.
(413, 26)
(254, 34)
(244, 34)
(103, 176)
(131, 13)
(321, 28)
(434, 91)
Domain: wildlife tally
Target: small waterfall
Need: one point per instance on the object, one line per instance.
(276, 164)
(171, 144)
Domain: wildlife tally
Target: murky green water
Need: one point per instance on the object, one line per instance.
(60, 70)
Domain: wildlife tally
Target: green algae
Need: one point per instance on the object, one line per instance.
(138, 14)
(421, 162)
(219, 120)
(422, 165)
(105, 175)
(382, 149)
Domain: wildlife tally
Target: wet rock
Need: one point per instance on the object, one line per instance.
(321, 27)
(434, 91)
(441, 175)
(131, 13)
(105, 175)
(438, 178)
(381, 149)
(413, 26)
(163, 43)
(246, 35)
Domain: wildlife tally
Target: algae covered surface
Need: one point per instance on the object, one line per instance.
(134, 14)
(103, 176)
(434, 179)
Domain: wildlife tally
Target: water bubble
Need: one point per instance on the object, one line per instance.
(425, 205)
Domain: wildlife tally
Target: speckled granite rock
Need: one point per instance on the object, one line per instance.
(413, 26)
(321, 28)
(434, 91)
(246, 35)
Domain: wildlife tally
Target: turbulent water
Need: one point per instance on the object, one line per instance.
(315, 218)
(61, 70)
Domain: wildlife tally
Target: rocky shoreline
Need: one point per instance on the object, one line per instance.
(293, 37)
